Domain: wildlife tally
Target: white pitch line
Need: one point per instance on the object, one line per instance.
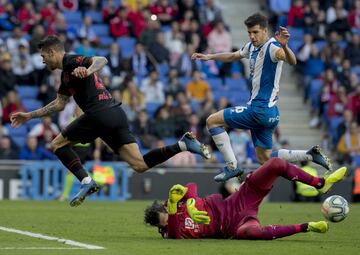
(52, 238)
(42, 248)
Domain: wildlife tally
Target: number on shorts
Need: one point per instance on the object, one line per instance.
(239, 109)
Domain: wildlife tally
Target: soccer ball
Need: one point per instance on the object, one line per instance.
(335, 208)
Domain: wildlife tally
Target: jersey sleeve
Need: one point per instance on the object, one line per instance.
(73, 61)
(245, 50)
(274, 47)
(191, 192)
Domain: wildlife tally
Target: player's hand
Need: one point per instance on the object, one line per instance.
(81, 72)
(176, 193)
(282, 36)
(19, 118)
(200, 56)
(200, 217)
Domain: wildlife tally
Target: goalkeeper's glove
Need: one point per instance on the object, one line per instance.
(200, 217)
(176, 193)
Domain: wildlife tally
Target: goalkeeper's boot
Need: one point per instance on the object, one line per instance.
(318, 227)
(85, 190)
(228, 173)
(189, 143)
(332, 178)
(319, 157)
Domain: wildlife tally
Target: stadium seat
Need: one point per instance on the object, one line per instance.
(105, 41)
(151, 108)
(96, 16)
(73, 17)
(334, 123)
(239, 97)
(20, 131)
(320, 44)
(25, 92)
(222, 93)
(32, 104)
(184, 81)
(31, 123)
(115, 3)
(19, 140)
(101, 30)
(127, 46)
(315, 90)
(102, 52)
(295, 45)
(236, 84)
(297, 34)
(163, 69)
(215, 83)
(195, 105)
(169, 140)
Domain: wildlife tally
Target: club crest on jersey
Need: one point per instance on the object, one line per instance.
(189, 223)
(261, 53)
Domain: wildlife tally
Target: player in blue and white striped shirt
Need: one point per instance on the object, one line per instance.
(260, 114)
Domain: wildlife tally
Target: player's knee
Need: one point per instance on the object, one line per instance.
(54, 145)
(139, 167)
(210, 121)
(277, 164)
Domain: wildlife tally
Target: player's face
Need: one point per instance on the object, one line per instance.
(49, 59)
(257, 35)
(163, 220)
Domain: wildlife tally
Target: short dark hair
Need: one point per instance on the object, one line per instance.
(152, 213)
(52, 42)
(257, 19)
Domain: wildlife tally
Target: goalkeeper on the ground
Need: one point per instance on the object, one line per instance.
(185, 215)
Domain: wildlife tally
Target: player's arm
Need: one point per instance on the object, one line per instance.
(191, 191)
(97, 63)
(284, 53)
(223, 57)
(57, 105)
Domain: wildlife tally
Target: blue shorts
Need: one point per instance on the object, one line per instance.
(261, 122)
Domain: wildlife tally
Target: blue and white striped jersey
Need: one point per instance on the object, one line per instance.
(265, 72)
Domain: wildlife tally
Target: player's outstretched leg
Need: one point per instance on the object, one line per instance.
(85, 190)
(188, 142)
(314, 154)
(254, 231)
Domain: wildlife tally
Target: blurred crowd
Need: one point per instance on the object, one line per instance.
(325, 35)
(148, 45)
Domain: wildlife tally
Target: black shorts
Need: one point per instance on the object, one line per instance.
(110, 125)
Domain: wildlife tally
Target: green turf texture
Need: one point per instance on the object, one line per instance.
(118, 226)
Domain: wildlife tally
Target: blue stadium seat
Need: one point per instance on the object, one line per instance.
(19, 140)
(20, 131)
(32, 104)
(102, 52)
(296, 33)
(334, 123)
(236, 84)
(73, 17)
(184, 81)
(315, 90)
(169, 140)
(342, 44)
(116, 3)
(101, 30)
(222, 93)
(163, 69)
(195, 105)
(106, 40)
(127, 46)
(320, 44)
(282, 21)
(31, 123)
(215, 83)
(295, 45)
(25, 92)
(96, 16)
(151, 108)
(239, 97)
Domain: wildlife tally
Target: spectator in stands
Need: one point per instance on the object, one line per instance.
(158, 49)
(153, 88)
(27, 16)
(68, 5)
(130, 92)
(209, 12)
(173, 86)
(296, 14)
(336, 11)
(337, 103)
(194, 126)
(353, 17)
(7, 77)
(84, 48)
(22, 66)
(14, 40)
(354, 103)
(186, 6)
(239, 140)
(108, 11)
(349, 144)
(185, 22)
(143, 128)
(67, 115)
(45, 132)
(9, 17)
(219, 40)
(279, 10)
(314, 19)
(195, 37)
(183, 159)
(11, 103)
(48, 14)
(114, 59)
(140, 62)
(345, 124)
(87, 31)
(198, 88)
(148, 36)
(174, 42)
(46, 93)
(164, 11)
(33, 151)
(164, 125)
(38, 33)
(185, 65)
(120, 25)
(7, 150)
(137, 18)
(352, 51)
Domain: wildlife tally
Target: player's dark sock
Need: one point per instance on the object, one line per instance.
(69, 158)
(318, 182)
(304, 227)
(157, 156)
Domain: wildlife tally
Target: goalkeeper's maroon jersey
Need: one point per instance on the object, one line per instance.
(89, 93)
(181, 225)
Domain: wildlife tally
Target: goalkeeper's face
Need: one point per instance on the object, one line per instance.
(163, 220)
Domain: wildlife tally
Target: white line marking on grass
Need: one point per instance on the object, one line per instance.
(52, 238)
(42, 248)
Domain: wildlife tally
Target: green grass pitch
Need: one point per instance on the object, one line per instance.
(118, 226)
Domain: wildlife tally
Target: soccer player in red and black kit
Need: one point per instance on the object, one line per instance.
(103, 117)
(185, 215)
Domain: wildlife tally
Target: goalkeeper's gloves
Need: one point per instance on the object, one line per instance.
(176, 193)
(200, 217)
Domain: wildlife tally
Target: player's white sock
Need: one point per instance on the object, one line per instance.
(291, 155)
(222, 141)
(86, 180)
